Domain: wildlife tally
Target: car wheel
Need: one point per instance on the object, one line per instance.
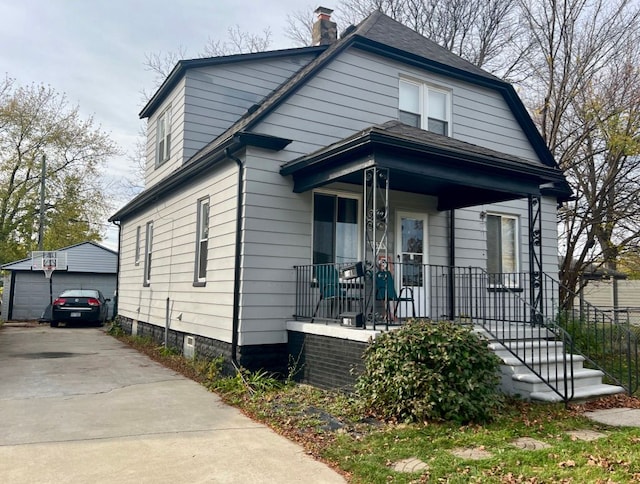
(54, 324)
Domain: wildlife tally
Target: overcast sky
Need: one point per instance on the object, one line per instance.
(93, 50)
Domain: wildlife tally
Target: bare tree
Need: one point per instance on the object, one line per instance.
(582, 91)
(480, 31)
(300, 26)
(238, 42)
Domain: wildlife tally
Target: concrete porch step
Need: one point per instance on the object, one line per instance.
(519, 332)
(513, 366)
(530, 383)
(526, 345)
(538, 360)
(580, 394)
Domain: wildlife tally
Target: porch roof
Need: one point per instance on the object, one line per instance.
(460, 174)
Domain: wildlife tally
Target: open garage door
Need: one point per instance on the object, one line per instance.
(31, 290)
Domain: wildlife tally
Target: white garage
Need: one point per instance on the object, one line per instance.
(26, 291)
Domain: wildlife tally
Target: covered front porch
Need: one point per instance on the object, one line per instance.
(376, 279)
(392, 268)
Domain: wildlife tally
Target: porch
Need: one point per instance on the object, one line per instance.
(549, 352)
(368, 275)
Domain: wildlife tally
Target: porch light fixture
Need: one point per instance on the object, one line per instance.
(352, 272)
(355, 320)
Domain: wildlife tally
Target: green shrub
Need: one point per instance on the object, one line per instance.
(430, 371)
(115, 329)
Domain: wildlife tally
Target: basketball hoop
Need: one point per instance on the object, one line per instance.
(48, 261)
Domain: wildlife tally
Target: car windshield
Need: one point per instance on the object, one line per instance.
(80, 293)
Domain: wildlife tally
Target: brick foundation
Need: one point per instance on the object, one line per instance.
(324, 361)
(271, 358)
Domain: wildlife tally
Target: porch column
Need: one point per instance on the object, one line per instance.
(376, 229)
(536, 290)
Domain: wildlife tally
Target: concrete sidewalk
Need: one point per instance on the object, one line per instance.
(78, 406)
(616, 417)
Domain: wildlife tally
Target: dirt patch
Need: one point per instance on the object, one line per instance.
(20, 324)
(620, 400)
(473, 453)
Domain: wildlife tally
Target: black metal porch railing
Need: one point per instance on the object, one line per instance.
(543, 338)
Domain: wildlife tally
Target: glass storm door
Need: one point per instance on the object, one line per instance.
(411, 270)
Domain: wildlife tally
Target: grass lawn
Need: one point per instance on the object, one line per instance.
(332, 427)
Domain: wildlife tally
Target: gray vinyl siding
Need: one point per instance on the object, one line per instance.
(359, 89)
(215, 97)
(154, 173)
(471, 234)
(207, 310)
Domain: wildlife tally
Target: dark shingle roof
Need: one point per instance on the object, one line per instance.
(384, 30)
(404, 131)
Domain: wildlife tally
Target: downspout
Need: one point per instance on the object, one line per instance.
(117, 294)
(452, 262)
(12, 293)
(238, 260)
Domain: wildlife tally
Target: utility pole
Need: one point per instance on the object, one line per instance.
(41, 225)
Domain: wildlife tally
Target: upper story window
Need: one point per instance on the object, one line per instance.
(202, 242)
(335, 228)
(503, 249)
(163, 137)
(424, 106)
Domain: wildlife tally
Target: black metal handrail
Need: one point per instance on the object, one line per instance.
(606, 340)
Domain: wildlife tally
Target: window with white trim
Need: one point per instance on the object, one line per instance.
(424, 106)
(163, 137)
(335, 228)
(148, 249)
(137, 256)
(503, 249)
(202, 241)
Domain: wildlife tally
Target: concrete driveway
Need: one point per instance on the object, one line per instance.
(78, 406)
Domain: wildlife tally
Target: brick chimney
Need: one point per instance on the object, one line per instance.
(324, 30)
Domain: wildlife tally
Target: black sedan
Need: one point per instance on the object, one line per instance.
(79, 305)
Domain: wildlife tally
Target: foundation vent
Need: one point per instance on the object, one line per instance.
(189, 346)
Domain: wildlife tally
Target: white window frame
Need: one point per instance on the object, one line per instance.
(163, 137)
(339, 194)
(202, 238)
(508, 281)
(424, 88)
(148, 250)
(137, 250)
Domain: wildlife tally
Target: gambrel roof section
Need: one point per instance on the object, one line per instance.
(183, 66)
(384, 36)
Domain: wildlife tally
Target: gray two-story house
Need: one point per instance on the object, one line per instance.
(300, 201)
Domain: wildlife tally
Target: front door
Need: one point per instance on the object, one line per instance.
(411, 271)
